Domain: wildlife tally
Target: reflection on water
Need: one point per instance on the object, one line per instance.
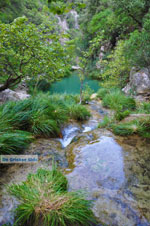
(71, 85)
(101, 163)
(108, 174)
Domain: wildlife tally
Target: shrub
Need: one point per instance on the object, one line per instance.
(117, 67)
(78, 112)
(44, 200)
(116, 100)
(87, 92)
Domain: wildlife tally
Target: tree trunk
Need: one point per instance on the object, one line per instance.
(81, 91)
(10, 83)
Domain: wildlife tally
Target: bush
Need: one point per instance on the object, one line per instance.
(78, 112)
(87, 92)
(116, 100)
(117, 67)
(44, 200)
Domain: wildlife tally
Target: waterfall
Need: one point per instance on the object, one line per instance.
(63, 24)
(75, 15)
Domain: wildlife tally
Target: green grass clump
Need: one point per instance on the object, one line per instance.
(144, 108)
(106, 122)
(14, 140)
(124, 129)
(102, 92)
(44, 200)
(116, 100)
(120, 115)
(139, 126)
(40, 116)
(78, 112)
(144, 127)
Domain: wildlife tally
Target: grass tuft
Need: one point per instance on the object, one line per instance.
(116, 100)
(44, 200)
(78, 112)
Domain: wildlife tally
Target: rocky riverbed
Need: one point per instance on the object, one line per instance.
(112, 171)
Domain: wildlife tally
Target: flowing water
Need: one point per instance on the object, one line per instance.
(112, 171)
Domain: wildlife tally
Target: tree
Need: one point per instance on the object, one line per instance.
(82, 61)
(27, 50)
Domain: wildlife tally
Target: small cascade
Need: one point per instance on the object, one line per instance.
(68, 134)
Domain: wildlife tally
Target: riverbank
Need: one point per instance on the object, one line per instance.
(113, 171)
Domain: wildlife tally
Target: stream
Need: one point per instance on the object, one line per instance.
(112, 171)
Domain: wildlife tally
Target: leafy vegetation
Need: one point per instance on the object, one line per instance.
(116, 35)
(44, 200)
(39, 116)
(31, 55)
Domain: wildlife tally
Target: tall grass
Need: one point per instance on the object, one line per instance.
(44, 200)
(40, 116)
(78, 112)
(13, 141)
(140, 126)
(144, 108)
(116, 100)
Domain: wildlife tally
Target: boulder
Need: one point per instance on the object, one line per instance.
(10, 95)
(93, 96)
(139, 82)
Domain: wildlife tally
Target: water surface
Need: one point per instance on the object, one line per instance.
(71, 85)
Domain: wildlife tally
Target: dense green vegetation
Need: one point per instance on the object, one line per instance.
(39, 116)
(116, 34)
(31, 54)
(40, 41)
(44, 200)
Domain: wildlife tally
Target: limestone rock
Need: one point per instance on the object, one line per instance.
(93, 96)
(10, 95)
(139, 82)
